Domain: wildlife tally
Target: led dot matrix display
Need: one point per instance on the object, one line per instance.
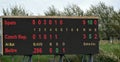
(50, 35)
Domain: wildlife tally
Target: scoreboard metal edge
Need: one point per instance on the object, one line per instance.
(1, 36)
(69, 17)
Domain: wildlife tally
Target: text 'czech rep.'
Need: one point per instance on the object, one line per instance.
(14, 37)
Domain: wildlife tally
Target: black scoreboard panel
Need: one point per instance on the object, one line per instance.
(50, 35)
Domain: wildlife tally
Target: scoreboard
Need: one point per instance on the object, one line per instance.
(47, 35)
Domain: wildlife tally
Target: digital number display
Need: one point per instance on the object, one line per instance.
(50, 35)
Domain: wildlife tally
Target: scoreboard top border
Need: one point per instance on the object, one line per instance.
(70, 17)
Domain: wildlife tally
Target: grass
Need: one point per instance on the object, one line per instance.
(104, 46)
(35, 58)
(109, 47)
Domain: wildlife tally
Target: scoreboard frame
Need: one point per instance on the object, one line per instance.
(44, 17)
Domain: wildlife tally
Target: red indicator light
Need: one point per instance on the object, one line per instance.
(84, 36)
(55, 22)
(50, 36)
(33, 22)
(61, 22)
(95, 22)
(40, 50)
(50, 22)
(84, 22)
(39, 22)
(37, 50)
(95, 36)
(45, 22)
(40, 36)
(56, 36)
(45, 36)
(63, 49)
(50, 50)
(34, 36)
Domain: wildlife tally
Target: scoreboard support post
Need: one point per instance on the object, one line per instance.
(90, 58)
(83, 58)
(30, 58)
(61, 57)
(27, 58)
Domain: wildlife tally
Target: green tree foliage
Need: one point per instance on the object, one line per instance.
(70, 10)
(73, 10)
(105, 57)
(105, 14)
(116, 22)
(52, 11)
(15, 11)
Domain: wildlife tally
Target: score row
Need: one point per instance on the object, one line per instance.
(51, 50)
(56, 36)
(36, 50)
(60, 22)
(38, 43)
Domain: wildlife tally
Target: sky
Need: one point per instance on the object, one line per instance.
(38, 7)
